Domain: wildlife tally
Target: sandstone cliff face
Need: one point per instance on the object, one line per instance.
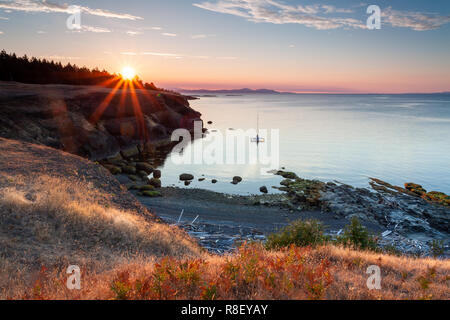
(93, 122)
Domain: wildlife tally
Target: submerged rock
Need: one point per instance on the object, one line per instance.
(157, 174)
(236, 180)
(186, 177)
(287, 174)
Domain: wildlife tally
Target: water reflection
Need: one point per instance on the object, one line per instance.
(398, 138)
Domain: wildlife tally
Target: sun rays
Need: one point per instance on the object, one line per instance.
(126, 86)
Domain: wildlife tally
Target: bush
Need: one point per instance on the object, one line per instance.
(437, 248)
(299, 233)
(250, 273)
(357, 236)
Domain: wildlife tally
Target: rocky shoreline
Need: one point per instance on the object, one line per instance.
(408, 219)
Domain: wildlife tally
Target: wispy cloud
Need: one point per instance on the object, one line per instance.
(57, 57)
(333, 9)
(1, 32)
(313, 16)
(163, 55)
(156, 28)
(41, 32)
(49, 7)
(134, 33)
(167, 34)
(319, 16)
(4, 18)
(414, 20)
(202, 36)
(85, 28)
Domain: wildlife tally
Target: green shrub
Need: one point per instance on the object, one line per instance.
(437, 248)
(299, 233)
(357, 236)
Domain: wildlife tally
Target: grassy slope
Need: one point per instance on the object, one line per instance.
(57, 210)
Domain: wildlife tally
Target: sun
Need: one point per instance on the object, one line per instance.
(128, 73)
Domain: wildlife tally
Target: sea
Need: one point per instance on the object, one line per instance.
(344, 138)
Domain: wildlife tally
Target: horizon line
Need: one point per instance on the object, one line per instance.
(308, 92)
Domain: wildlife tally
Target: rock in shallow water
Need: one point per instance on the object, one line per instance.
(157, 174)
(236, 180)
(186, 177)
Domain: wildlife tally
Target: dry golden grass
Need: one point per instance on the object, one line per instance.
(55, 223)
(402, 277)
(255, 273)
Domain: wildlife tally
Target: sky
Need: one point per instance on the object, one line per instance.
(286, 45)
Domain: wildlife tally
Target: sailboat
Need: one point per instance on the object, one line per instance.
(258, 139)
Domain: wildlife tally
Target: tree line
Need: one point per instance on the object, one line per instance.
(42, 71)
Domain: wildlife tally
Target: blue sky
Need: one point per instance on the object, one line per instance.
(286, 45)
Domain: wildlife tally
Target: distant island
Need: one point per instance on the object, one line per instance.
(231, 91)
(208, 92)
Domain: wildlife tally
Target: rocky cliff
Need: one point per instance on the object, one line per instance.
(93, 122)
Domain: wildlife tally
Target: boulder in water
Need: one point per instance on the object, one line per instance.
(186, 177)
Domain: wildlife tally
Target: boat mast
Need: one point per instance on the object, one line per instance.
(257, 127)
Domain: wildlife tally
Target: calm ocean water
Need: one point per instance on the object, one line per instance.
(349, 138)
